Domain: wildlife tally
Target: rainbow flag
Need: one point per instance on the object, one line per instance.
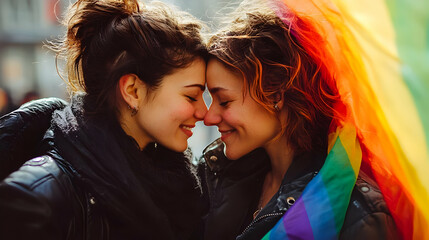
(325, 219)
(378, 51)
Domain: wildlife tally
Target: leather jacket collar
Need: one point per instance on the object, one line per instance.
(218, 163)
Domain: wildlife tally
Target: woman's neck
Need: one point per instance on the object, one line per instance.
(281, 156)
(131, 129)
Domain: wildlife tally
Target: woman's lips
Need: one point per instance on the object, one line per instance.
(225, 134)
(187, 129)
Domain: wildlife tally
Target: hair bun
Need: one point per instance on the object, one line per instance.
(86, 19)
(132, 6)
(88, 16)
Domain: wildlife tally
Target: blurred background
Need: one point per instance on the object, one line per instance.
(28, 70)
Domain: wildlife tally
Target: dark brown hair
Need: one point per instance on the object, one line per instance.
(107, 39)
(268, 52)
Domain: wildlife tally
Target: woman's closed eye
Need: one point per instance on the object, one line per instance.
(191, 98)
(224, 103)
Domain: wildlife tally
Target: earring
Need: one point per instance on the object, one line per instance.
(277, 108)
(134, 110)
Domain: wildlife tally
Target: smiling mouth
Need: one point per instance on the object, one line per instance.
(187, 130)
(225, 134)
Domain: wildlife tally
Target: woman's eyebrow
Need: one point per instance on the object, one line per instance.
(202, 87)
(216, 89)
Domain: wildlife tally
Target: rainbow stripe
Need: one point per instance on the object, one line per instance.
(327, 197)
(378, 51)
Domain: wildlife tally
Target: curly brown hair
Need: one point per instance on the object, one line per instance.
(268, 52)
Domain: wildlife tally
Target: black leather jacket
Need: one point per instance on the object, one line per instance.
(39, 199)
(234, 188)
(44, 198)
(22, 131)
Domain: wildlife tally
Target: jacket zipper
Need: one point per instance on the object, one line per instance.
(260, 218)
(83, 216)
(270, 214)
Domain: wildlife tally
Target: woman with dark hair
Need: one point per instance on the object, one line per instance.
(275, 104)
(112, 164)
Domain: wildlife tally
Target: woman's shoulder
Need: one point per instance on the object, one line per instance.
(40, 180)
(368, 216)
(38, 175)
(36, 199)
(22, 130)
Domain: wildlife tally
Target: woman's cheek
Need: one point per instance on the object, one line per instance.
(182, 111)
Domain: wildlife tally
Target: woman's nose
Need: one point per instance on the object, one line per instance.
(200, 111)
(212, 117)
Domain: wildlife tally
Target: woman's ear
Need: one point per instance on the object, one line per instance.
(129, 87)
(279, 105)
(278, 101)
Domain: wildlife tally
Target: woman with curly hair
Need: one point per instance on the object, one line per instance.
(274, 171)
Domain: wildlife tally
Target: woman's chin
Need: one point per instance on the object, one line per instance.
(180, 148)
(231, 154)
(177, 147)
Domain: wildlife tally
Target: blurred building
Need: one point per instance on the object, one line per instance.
(27, 66)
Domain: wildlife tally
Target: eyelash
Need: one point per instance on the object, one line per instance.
(224, 104)
(192, 99)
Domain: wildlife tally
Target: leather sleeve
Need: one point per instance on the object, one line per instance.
(35, 203)
(23, 215)
(367, 215)
(22, 130)
(375, 226)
